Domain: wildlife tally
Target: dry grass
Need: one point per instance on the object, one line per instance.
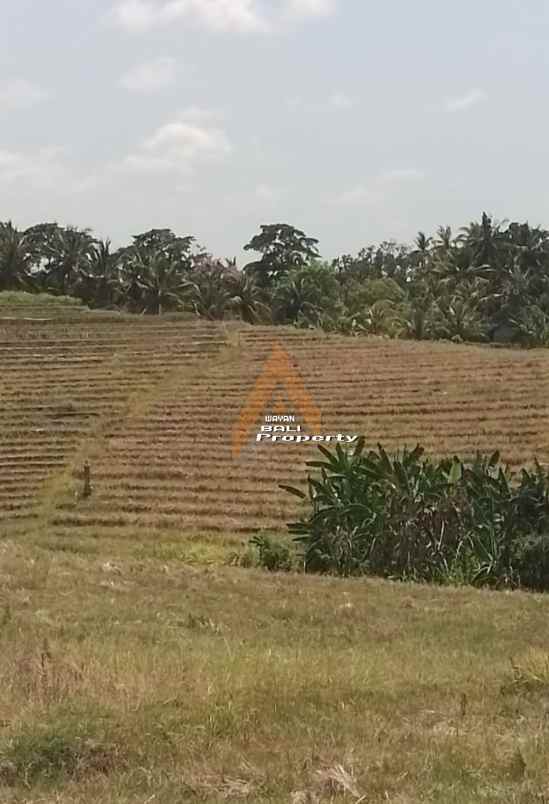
(133, 680)
(136, 667)
(151, 403)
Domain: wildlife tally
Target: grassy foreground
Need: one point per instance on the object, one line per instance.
(133, 675)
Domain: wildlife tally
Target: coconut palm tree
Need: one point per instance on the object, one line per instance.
(67, 253)
(306, 293)
(485, 240)
(422, 251)
(458, 267)
(16, 258)
(442, 242)
(162, 284)
(248, 300)
(104, 278)
(457, 316)
(209, 290)
(532, 326)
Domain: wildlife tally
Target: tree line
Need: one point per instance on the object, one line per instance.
(487, 282)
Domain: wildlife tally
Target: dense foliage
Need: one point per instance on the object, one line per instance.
(407, 517)
(489, 282)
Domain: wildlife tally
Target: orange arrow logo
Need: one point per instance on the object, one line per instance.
(277, 370)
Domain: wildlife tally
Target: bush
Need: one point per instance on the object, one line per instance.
(272, 554)
(359, 295)
(410, 518)
(532, 327)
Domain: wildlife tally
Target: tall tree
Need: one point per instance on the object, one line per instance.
(162, 284)
(67, 252)
(104, 279)
(155, 270)
(16, 258)
(165, 242)
(306, 293)
(422, 251)
(283, 248)
(248, 299)
(210, 288)
(484, 239)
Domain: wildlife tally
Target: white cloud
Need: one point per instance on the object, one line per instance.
(179, 145)
(41, 169)
(150, 77)
(48, 170)
(221, 15)
(471, 98)
(137, 16)
(21, 94)
(242, 16)
(311, 8)
(339, 100)
(379, 188)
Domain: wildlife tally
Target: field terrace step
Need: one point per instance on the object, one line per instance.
(186, 438)
(54, 393)
(168, 464)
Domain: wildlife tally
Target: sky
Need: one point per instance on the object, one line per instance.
(356, 121)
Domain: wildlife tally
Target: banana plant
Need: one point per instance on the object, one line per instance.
(406, 516)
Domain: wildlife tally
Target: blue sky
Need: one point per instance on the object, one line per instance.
(357, 121)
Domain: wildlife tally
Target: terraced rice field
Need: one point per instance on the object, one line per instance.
(151, 404)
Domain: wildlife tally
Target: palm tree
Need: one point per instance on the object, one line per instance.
(529, 249)
(484, 240)
(209, 289)
(532, 326)
(457, 316)
(68, 255)
(443, 240)
(104, 275)
(296, 295)
(381, 318)
(421, 253)
(163, 286)
(457, 267)
(16, 258)
(248, 299)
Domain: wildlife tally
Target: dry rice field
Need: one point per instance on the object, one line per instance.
(138, 667)
(151, 404)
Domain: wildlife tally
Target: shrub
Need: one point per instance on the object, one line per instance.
(272, 554)
(532, 327)
(410, 518)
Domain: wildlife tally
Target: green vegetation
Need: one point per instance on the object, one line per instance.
(490, 282)
(20, 298)
(145, 658)
(408, 517)
(130, 675)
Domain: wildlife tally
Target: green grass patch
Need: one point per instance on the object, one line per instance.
(12, 298)
(70, 745)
